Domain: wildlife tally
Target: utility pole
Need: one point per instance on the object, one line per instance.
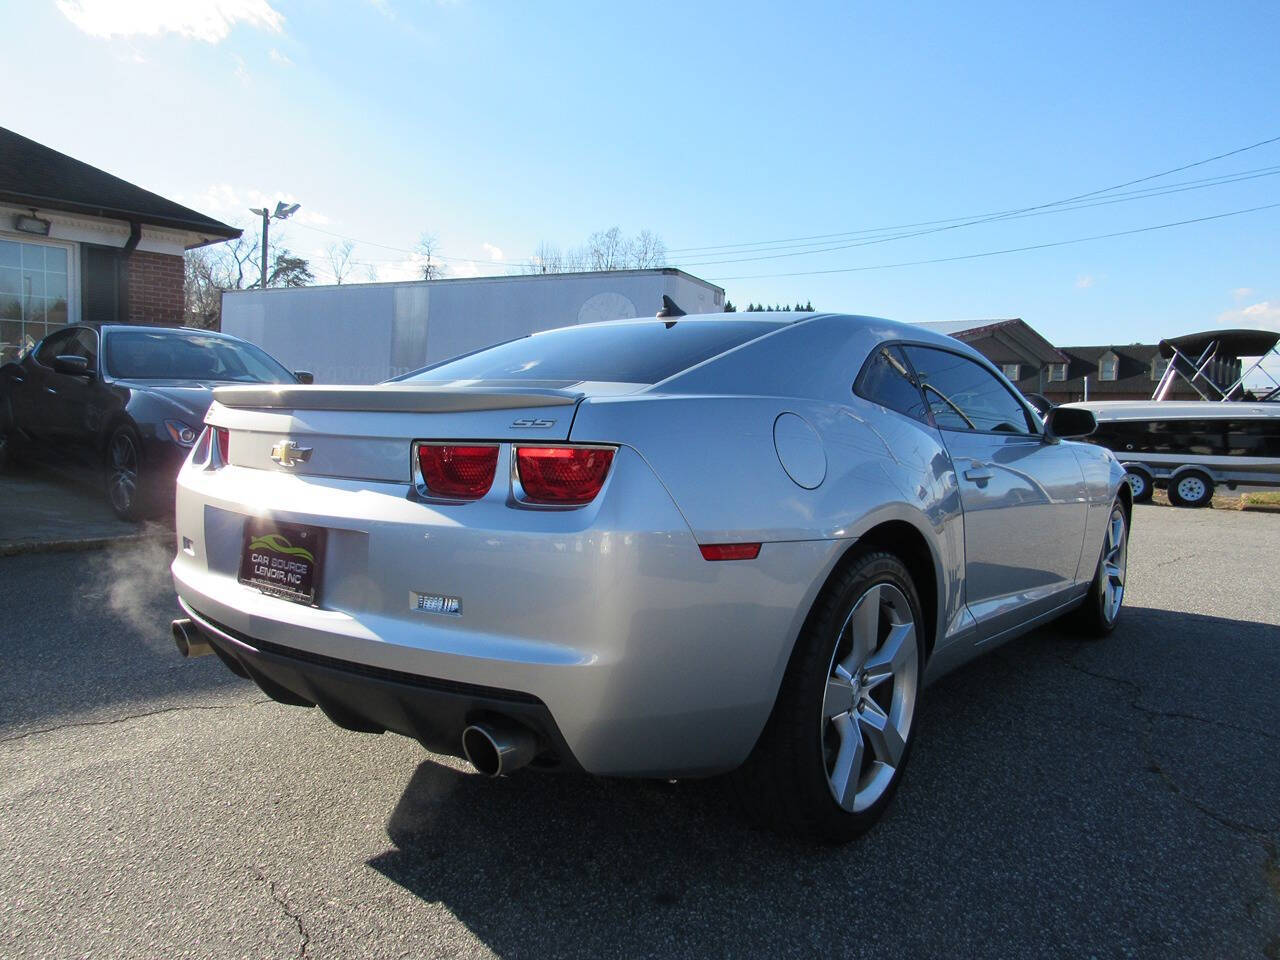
(283, 211)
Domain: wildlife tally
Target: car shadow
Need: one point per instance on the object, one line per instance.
(1038, 817)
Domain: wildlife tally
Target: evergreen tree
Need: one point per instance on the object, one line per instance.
(729, 307)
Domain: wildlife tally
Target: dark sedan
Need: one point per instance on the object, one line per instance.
(130, 400)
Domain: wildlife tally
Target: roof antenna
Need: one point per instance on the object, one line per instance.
(669, 309)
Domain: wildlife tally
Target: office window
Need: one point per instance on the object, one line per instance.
(33, 294)
(1010, 370)
(1058, 373)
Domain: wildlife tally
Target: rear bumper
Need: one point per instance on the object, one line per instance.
(647, 659)
(370, 700)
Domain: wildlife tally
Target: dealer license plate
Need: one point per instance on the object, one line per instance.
(282, 559)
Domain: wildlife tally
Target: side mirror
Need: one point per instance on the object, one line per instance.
(68, 363)
(305, 376)
(1071, 423)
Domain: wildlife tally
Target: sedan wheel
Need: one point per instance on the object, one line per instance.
(870, 698)
(124, 474)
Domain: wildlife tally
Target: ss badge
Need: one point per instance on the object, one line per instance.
(535, 422)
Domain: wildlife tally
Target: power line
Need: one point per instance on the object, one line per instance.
(1038, 212)
(929, 223)
(996, 253)
(826, 243)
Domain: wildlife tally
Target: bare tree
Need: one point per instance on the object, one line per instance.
(235, 265)
(428, 250)
(340, 263)
(371, 272)
(646, 250)
(604, 250)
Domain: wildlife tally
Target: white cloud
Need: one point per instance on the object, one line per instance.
(242, 70)
(1084, 281)
(280, 58)
(1263, 314)
(206, 20)
(232, 204)
(1242, 293)
(495, 253)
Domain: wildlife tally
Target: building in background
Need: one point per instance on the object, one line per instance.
(1128, 372)
(369, 332)
(1114, 372)
(78, 244)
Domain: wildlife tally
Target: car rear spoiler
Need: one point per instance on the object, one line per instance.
(393, 398)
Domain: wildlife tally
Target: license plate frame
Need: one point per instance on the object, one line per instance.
(283, 560)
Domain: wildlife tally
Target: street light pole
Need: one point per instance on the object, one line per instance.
(283, 211)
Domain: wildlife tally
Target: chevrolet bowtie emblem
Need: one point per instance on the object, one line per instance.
(287, 453)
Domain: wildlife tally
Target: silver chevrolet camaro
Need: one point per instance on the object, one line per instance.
(650, 548)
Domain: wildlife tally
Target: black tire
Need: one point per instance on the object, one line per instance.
(1141, 484)
(788, 781)
(1104, 603)
(128, 498)
(1191, 488)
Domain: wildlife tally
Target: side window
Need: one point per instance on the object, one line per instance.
(885, 380)
(964, 395)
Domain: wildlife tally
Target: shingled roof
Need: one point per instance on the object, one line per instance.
(33, 175)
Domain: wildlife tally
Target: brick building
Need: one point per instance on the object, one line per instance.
(78, 244)
(1128, 372)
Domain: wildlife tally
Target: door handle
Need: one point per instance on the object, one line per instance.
(978, 471)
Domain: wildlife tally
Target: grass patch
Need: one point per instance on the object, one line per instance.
(1262, 499)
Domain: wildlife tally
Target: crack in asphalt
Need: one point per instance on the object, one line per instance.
(131, 716)
(1264, 836)
(287, 908)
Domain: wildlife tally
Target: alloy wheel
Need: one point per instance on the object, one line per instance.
(870, 698)
(1115, 561)
(122, 481)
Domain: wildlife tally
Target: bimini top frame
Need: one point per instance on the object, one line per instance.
(1195, 356)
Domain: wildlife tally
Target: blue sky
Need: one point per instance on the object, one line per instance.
(500, 125)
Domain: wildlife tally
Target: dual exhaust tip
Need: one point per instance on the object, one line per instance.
(188, 638)
(495, 748)
(492, 747)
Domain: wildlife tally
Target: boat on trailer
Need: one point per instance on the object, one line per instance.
(1231, 437)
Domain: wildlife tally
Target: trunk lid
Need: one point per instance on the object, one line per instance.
(365, 432)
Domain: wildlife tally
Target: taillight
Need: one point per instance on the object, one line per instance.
(222, 436)
(729, 551)
(455, 471)
(563, 476)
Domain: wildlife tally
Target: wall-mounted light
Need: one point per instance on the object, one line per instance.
(32, 225)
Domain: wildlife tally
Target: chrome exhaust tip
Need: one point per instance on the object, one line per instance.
(188, 639)
(494, 748)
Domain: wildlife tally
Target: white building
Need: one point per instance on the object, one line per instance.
(367, 332)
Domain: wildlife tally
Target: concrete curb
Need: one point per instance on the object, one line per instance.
(20, 547)
(1260, 507)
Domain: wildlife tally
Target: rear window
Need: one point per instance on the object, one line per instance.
(619, 352)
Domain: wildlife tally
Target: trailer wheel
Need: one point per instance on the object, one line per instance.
(1141, 484)
(1192, 488)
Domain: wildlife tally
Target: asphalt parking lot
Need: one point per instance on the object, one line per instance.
(1066, 798)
